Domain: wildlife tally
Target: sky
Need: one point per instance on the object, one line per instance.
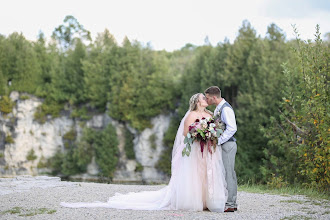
(166, 24)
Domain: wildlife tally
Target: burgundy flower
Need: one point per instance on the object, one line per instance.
(197, 120)
(203, 118)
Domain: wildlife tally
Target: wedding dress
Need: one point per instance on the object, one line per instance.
(197, 182)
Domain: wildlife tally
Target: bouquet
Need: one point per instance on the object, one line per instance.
(206, 131)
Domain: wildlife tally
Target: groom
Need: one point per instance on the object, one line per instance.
(227, 142)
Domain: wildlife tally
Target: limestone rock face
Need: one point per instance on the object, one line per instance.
(30, 136)
(24, 143)
(149, 146)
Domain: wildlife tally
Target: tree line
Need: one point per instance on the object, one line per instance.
(278, 88)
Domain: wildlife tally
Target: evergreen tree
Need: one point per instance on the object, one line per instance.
(98, 69)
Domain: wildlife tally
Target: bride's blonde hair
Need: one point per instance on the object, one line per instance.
(193, 103)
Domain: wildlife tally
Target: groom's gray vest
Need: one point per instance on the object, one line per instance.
(226, 104)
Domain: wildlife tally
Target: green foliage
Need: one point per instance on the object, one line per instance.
(276, 182)
(106, 151)
(19, 64)
(129, 145)
(6, 105)
(2, 155)
(141, 87)
(164, 162)
(14, 210)
(139, 167)
(70, 135)
(152, 141)
(98, 68)
(296, 189)
(69, 164)
(42, 163)
(81, 113)
(133, 83)
(24, 97)
(9, 139)
(84, 152)
(299, 139)
(70, 31)
(28, 212)
(47, 108)
(55, 162)
(76, 157)
(31, 155)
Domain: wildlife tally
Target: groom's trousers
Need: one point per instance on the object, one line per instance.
(229, 150)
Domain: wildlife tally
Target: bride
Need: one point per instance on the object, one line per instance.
(197, 182)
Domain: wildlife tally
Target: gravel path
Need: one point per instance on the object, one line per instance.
(40, 197)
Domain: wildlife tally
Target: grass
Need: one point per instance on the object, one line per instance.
(292, 201)
(284, 191)
(300, 217)
(326, 213)
(14, 210)
(29, 212)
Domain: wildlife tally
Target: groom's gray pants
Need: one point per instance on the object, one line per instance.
(229, 150)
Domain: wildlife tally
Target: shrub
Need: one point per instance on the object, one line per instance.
(106, 151)
(24, 97)
(9, 139)
(298, 147)
(277, 182)
(70, 135)
(42, 163)
(31, 155)
(6, 105)
(80, 113)
(138, 168)
(129, 145)
(55, 162)
(47, 108)
(164, 162)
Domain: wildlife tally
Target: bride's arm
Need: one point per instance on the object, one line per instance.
(188, 121)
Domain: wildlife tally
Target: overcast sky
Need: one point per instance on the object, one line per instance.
(166, 24)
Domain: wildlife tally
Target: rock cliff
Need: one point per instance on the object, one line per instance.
(25, 143)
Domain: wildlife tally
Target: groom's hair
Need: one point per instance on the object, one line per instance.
(214, 91)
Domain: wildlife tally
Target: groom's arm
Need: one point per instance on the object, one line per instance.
(228, 117)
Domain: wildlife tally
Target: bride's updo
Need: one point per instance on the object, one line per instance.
(193, 101)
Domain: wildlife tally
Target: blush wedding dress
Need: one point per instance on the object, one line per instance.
(197, 183)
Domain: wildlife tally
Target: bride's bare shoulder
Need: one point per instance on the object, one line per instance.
(191, 117)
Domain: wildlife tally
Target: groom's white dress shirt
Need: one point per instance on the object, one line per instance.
(228, 117)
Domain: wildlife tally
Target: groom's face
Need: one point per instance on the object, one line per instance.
(210, 99)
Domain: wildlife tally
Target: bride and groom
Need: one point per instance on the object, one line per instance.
(198, 182)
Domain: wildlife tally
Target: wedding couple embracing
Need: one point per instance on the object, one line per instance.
(205, 179)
